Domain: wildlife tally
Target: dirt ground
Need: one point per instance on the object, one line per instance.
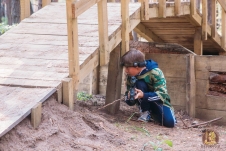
(89, 129)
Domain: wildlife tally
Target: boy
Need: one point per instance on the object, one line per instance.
(150, 88)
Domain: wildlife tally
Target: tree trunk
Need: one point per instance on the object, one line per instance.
(15, 11)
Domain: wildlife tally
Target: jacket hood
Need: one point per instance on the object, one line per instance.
(149, 66)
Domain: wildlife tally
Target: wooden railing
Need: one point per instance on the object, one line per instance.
(74, 9)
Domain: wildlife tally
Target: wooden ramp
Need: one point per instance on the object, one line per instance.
(185, 23)
(34, 56)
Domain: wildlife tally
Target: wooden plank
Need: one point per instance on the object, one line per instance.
(103, 32)
(198, 44)
(144, 10)
(223, 4)
(45, 3)
(193, 7)
(223, 28)
(162, 8)
(191, 86)
(204, 20)
(125, 26)
(24, 9)
(147, 34)
(73, 50)
(177, 7)
(79, 7)
(14, 109)
(114, 80)
(36, 115)
(68, 93)
(213, 26)
(202, 87)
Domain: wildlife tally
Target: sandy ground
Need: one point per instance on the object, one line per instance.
(89, 129)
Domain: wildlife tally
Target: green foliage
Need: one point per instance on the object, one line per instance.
(4, 25)
(83, 96)
(143, 130)
(156, 145)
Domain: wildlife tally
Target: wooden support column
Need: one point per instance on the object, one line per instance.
(114, 81)
(68, 95)
(36, 114)
(204, 19)
(24, 9)
(73, 50)
(144, 10)
(45, 2)
(177, 7)
(125, 26)
(198, 44)
(162, 8)
(59, 94)
(223, 24)
(213, 26)
(190, 86)
(193, 7)
(103, 31)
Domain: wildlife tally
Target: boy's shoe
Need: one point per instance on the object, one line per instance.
(145, 116)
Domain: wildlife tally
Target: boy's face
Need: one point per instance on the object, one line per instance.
(132, 71)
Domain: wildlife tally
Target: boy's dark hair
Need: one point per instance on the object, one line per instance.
(133, 57)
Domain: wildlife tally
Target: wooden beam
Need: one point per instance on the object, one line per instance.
(193, 7)
(45, 2)
(198, 44)
(147, 33)
(204, 19)
(36, 114)
(114, 81)
(223, 29)
(79, 7)
(24, 9)
(213, 26)
(125, 26)
(144, 10)
(223, 4)
(177, 7)
(191, 86)
(68, 95)
(103, 31)
(162, 8)
(73, 50)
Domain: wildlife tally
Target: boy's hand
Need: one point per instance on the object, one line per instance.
(139, 94)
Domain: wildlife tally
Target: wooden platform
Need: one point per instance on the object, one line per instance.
(34, 56)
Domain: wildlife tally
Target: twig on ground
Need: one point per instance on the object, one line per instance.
(182, 120)
(111, 103)
(208, 122)
(130, 117)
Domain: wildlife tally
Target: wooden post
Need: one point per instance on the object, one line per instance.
(162, 8)
(24, 9)
(213, 26)
(125, 25)
(177, 7)
(198, 45)
(73, 50)
(68, 95)
(45, 2)
(144, 10)
(60, 94)
(223, 24)
(36, 114)
(204, 19)
(103, 31)
(193, 7)
(191, 86)
(114, 81)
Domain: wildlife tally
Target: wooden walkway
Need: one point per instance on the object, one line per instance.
(34, 56)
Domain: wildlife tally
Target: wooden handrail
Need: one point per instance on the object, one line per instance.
(125, 26)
